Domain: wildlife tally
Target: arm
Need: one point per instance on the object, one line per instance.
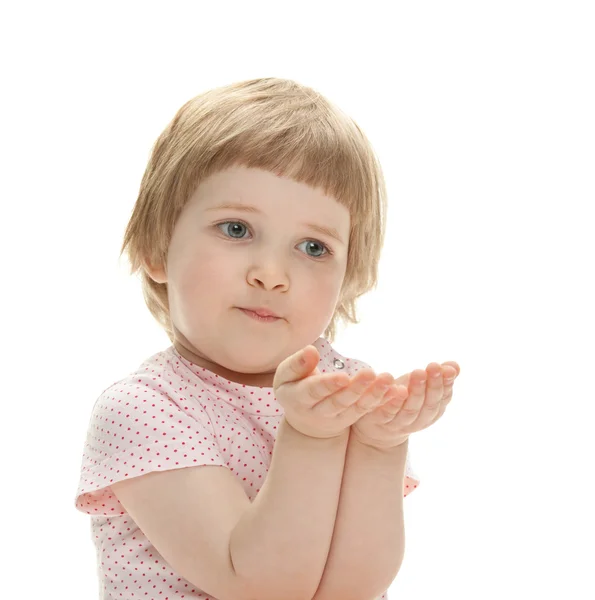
(368, 542)
(284, 537)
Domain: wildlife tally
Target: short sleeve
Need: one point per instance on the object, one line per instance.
(137, 427)
(411, 479)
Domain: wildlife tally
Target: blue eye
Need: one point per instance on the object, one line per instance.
(325, 249)
(234, 223)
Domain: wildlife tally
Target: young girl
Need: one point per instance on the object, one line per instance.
(259, 222)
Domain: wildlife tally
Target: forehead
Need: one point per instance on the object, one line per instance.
(258, 192)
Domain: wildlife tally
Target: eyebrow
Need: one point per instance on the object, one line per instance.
(330, 231)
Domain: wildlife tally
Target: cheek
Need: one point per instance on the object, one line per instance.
(321, 291)
(203, 271)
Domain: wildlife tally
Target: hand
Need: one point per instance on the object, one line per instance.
(324, 405)
(415, 405)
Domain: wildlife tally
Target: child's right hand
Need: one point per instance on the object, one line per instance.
(323, 405)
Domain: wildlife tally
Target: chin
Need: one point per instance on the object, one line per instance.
(253, 368)
(263, 361)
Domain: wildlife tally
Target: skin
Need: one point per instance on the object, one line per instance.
(273, 260)
(409, 404)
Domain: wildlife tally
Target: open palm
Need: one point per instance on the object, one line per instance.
(417, 401)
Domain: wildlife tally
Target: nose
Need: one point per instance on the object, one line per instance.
(269, 275)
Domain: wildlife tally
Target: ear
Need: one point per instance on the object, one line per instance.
(157, 273)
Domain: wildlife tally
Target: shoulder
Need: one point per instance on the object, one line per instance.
(331, 360)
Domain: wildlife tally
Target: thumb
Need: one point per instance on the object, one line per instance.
(297, 366)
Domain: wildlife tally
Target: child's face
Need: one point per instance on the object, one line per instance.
(272, 261)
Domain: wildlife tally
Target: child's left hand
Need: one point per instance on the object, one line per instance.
(414, 407)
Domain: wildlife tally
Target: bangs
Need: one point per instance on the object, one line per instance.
(296, 135)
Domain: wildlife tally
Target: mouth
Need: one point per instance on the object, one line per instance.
(261, 312)
(267, 318)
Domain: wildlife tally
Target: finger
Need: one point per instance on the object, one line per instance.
(297, 366)
(447, 398)
(320, 388)
(415, 400)
(451, 364)
(436, 397)
(375, 393)
(342, 398)
(367, 397)
(395, 398)
(434, 389)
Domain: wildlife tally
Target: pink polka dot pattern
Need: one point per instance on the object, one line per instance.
(171, 414)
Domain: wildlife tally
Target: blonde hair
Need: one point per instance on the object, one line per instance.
(273, 124)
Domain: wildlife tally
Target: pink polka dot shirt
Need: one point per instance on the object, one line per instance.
(169, 414)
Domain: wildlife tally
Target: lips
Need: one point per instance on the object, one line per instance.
(262, 312)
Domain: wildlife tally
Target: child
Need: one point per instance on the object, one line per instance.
(259, 198)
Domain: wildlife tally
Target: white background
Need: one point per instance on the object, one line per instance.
(482, 114)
